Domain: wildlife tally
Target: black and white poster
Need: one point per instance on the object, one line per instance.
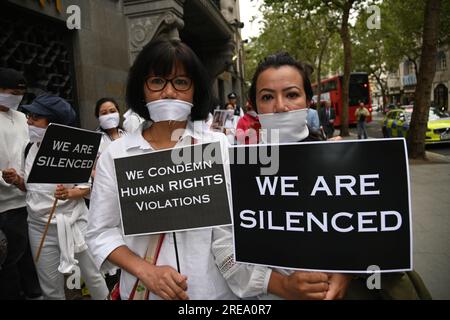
(173, 190)
(340, 206)
(66, 155)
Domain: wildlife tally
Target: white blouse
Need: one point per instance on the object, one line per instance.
(205, 255)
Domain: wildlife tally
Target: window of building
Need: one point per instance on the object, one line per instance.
(441, 61)
(441, 96)
(408, 68)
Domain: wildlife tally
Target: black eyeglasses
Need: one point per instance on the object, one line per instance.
(34, 116)
(180, 83)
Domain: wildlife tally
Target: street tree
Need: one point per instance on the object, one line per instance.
(427, 69)
(371, 53)
(307, 37)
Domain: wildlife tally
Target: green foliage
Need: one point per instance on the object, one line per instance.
(301, 28)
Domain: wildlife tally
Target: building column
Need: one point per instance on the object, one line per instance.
(150, 19)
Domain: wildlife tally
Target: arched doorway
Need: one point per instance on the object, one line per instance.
(441, 96)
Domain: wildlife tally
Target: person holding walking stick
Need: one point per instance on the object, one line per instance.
(57, 215)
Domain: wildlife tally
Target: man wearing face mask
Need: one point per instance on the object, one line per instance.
(13, 213)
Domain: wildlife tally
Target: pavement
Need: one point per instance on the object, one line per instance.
(430, 206)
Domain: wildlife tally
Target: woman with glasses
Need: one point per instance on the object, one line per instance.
(169, 87)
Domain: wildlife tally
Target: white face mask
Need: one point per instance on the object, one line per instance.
(290, 126)
(169, 110)
(10, 101)
(36, 134)
(109, 121)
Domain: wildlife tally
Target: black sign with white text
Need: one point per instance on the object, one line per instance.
(178, 189)
(330, 206)
(66, 155)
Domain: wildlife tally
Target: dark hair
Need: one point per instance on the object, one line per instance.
(276, 61)
(101, 101)
(160, 56)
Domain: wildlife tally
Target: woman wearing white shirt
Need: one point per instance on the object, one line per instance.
(108, 116)
(169, 86)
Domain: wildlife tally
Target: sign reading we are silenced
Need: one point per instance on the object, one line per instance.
(66, 155)
(332, 206)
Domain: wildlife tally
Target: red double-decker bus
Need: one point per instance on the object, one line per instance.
(359, 90)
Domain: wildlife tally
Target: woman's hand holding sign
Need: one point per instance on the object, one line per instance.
(299, 285)
(63, 193)
(338, 285)
(165, 282)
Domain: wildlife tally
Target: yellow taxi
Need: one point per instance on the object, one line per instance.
(396, 124)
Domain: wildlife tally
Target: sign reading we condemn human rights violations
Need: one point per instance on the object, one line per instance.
(172, 190)
(66, 155)
(331, 206)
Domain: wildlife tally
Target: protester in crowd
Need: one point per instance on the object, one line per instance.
(248, 127)
(313, 120)
(279, 92)
(231, 122)
(13, 213)
(233, 105)
(361, 115)
(168, 86)
(327, 116)
(64, 245)
(108, 115)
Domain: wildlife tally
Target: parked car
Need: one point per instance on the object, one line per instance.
(396, 124)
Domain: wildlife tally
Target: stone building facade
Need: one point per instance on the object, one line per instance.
(85, 62)
(402, 83)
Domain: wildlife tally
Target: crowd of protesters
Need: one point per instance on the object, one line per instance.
(167, 90)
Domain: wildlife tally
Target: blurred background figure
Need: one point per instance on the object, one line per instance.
(361, 115)
(248, 127)
(108, 115)
(327, 116)
(313, 119)
(232, 105)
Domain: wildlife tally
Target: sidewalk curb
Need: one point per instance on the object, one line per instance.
(432, 157)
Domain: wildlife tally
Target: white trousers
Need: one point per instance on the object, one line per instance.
(50, 279)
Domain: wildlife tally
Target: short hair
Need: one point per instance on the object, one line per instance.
(160, 56)
(276, 61)
(101, 101)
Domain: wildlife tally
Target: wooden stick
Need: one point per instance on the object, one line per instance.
(46, 230)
